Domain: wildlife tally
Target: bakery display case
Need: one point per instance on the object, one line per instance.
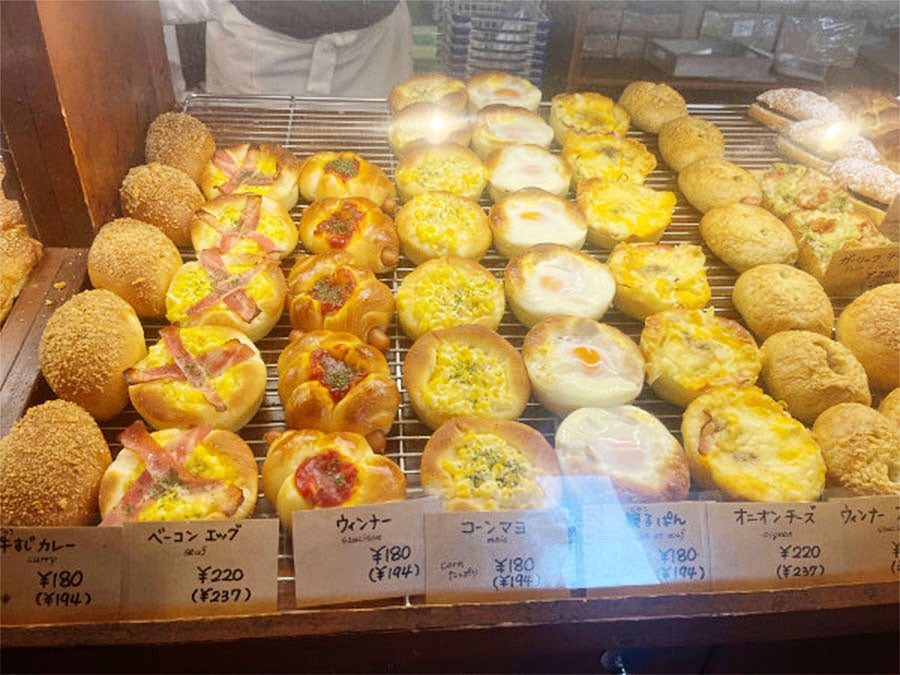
(71, 156)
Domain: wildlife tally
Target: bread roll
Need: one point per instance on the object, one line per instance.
(438, 223)
(744, 235)
(88, 342)
(586, 114)
(494, 87)
(711, 182)
(520, 166)
(328, 174)
(449, 166)
(180, 140)
(607, 156)
(870, 327)
(253, 168)
(872, 186)
(498, 125)
(779, 108)
(427, 123)
(817, 143)
(684, 140)
(162, 196)
(136, 261)
(51, 463)
(890, 406)
(19, 254)
(651, 104)
(475, 464)
(618, 210)
(534, 216)
(443, 90)
(244, 224)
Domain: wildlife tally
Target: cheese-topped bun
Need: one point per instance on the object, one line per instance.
(443, 90)
(651, 278)
(516, 167)
(690, 350)
(136, 261)
(890, 406)
(466, 370)
(448, 291)
(861, 449)
(778, 108)
(809, 372)
(586, 114)
(742, 442)
(627, 446)
(354, 224)
(333, 291)
(651, 104)
(335, 382)
(245, 293)
(744, 235)
(607, 156)
(429, 124)
(475, 464)
(180, 140)
(163, 196)
(574, 362)
(818, 144)
(244, 224)
(534, 216)
(449, 166)
(870, 327)
(711, 182)
(788, 187)
(345, 174)
(310, 469)
(490, 87)
(872, 187)
(774, 297)
(498, 125)
(438, 223)
(684, 140)
(179, 474)
(547, 279)
(51, 463)
(618, 210)
(262, 169)
(87, 343)
(202, 375)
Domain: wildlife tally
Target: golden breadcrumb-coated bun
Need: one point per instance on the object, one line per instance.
(51, 463)
(534, 216)
(744, 235)
(136, 261)
(180, 140)
(742, 442)
(449, 166)
(443, 90)
(494, 87)
(774, 297)
(499, 125)
(809, 373)
(88, 342)
(429, 124)
(870, 327)
(684, 140)
(253, 168)
(438, 223)
(244, 224)
(520, 166)
(587, 114)
(711, 182)
(861, 449)
(476, 464)
(619, 210)
(651, 104)
(607, 156)
(890, 406)
(162, 196)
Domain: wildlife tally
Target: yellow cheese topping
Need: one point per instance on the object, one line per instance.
(191, 284)
(626, 210)
(674, 276)
(466, 380)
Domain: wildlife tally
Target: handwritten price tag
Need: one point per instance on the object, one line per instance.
(200, 568)
(870, 529)
(360, 552)
(60, 574)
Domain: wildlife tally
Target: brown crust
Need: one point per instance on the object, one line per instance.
(472, 244)
(412, 91)
(370, 182)
(284, 237)
(711, 181)
(284, 190)
(409, 185)
(594, 114)
(794, 151)
(684, 140)
(745, 235)
(890, 406)
(162, 196)
(768, 117)
(51, 463)
(651, 104)
(180, 140)
(870, 327)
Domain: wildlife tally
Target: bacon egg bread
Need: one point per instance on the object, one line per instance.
(437, 223)
(345, 174)
(257, 168)
(244, 224)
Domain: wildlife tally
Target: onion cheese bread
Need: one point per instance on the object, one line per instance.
(742, 442)
(310, 469)
(443, 90)
(244, 224)
(448, 291)
(449, 166)
(163, 196)
(651, 278)
(203, 375)
(476, 464)
(574, 362)
(547, 279)
(494, 87)
(517, 167)
(586, 114)
(263, 169)
(870, 327)
(180, 140)
(744, 235)
(687, 351)
(651, 104)
(245, 293)
(779, 108)
(626, 446)
(790, 187)
(427, 124)
(333, 291)
(711, 182)
(465, 370)
(354, 224)
(179, 474)
(437, 223)
(534, 216)
(336, 382)
(499, 125)
(345, 174)
(618, 210)
(607, 156)
(684, 140)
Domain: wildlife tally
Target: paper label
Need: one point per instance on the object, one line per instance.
(743, 28)
(60, 574)
(200, 568)
(360, 552)
(854, 270)
(497, 555)
(870, 528)
(769, 545)
(644, 545)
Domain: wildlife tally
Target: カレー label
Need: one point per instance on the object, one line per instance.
(870, 532)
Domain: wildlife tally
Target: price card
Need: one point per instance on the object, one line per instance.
(655, 547)
(200, 568)
(870, 529)
(857, 269)
(60, 574)
(360, 552)
(497, 555)
(769, 545)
